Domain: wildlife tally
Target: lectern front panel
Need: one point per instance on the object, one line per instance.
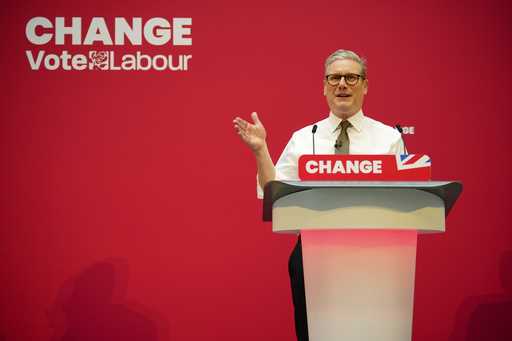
(359, 284)
(359, 208)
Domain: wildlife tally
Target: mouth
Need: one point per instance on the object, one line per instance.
(343, 95)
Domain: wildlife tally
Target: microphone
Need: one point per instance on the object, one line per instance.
(313, 131)
(401, 131)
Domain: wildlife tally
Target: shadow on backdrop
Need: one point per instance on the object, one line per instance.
(93, 306)
(487, 317)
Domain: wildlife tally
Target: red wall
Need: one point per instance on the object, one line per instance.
(128, 204)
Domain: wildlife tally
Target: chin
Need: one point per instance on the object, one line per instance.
(344, 106)
(346, 109)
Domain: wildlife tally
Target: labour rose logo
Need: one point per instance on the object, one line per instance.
(98, 60)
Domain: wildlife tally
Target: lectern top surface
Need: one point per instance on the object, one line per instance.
(448, 191)
(368, 184)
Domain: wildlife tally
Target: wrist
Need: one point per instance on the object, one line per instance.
(261, 150)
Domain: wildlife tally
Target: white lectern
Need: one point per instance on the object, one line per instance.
(359, 250)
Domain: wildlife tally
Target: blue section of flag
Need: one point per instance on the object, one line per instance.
(403, 157)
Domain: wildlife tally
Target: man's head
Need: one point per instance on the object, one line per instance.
(345, 83)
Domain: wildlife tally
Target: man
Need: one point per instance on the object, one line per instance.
(346, 130)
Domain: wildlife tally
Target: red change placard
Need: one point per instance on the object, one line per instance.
(365, 167)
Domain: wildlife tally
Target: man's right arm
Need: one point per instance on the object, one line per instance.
(266, 169)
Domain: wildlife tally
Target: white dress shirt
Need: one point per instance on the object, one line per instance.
(366, 135)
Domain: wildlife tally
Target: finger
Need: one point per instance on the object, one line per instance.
(240, 130)
(242, 123)
(238, 121)
(255, 118)
(240, 127)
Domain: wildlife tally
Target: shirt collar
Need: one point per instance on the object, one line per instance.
(355, 120)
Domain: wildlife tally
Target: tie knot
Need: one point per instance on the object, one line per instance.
(344, 125)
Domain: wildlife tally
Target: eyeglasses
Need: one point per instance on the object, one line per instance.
(350, 78)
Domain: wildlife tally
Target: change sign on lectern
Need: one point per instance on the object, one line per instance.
(411, 167)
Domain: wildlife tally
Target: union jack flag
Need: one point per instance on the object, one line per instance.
(411, 161)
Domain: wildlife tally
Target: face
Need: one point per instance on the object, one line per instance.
(345, 100)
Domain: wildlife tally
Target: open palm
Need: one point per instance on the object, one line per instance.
(253, 134)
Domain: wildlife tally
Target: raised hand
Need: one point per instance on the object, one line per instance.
(252, 134)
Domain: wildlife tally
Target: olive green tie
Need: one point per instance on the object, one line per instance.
(342, 142)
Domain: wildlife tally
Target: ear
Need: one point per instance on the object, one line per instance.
(365, 86)
(325, 88)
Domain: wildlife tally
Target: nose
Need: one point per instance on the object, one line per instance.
(342, 83)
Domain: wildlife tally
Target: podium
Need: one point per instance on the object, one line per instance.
(359, 249)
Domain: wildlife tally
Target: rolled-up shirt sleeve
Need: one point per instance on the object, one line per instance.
(398, 147)
(286, 167)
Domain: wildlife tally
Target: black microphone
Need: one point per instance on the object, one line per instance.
(401, 131)
(313, 131)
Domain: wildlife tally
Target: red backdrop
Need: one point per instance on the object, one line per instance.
(128, 204)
